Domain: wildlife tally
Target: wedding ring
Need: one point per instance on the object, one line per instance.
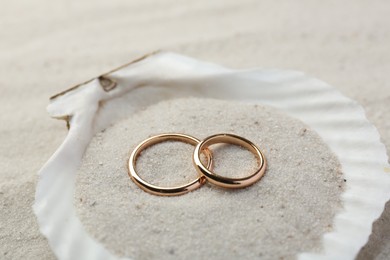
(224, 181)
(166, 191)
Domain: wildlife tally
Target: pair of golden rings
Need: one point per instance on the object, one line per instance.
(204, 171)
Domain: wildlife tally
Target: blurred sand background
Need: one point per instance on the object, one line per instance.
(48, 46)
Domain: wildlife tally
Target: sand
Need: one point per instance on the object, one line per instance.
(48, 46)
(210, 222)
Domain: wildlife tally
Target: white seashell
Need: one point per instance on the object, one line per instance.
(338, 120)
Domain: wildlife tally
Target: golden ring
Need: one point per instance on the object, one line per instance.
(166, 191)
(224, 181)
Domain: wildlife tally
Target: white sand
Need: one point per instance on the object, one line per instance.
(210, 222)
(47, 46)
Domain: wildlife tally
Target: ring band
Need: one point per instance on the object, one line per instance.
(224, 181)
(166, 191)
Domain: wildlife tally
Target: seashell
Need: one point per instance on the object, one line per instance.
(94, 105)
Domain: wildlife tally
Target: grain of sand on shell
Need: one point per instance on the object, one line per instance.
(283, 214)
